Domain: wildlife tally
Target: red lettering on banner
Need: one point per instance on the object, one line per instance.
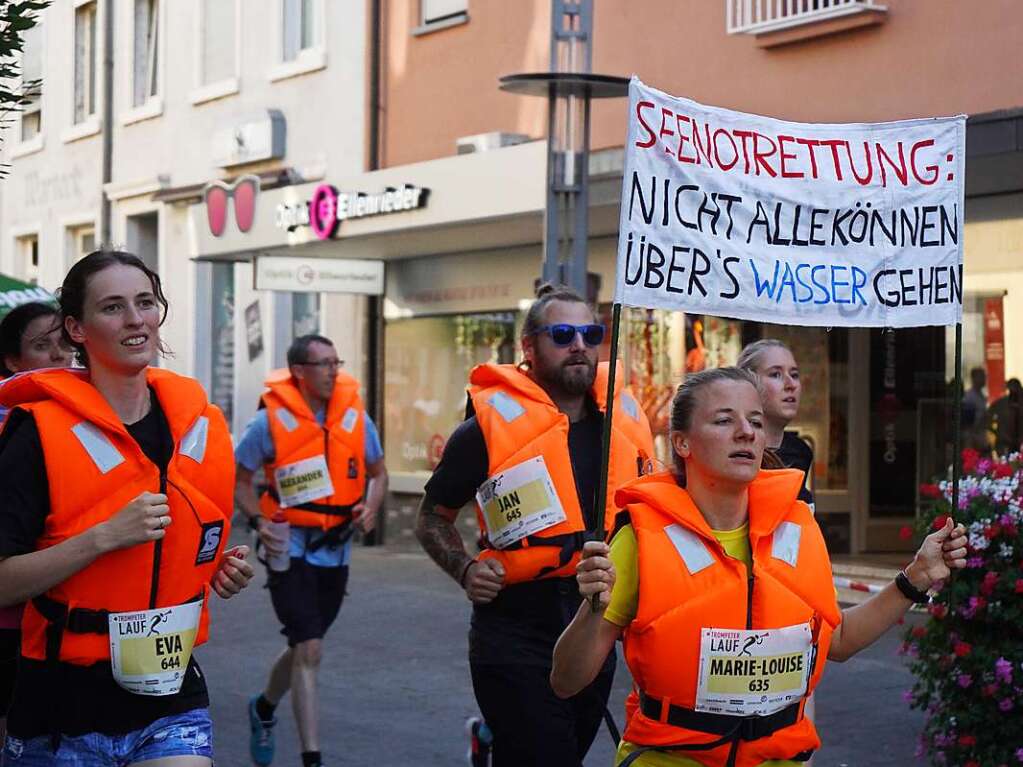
(777, 155)
(650, 132)
(783, 155)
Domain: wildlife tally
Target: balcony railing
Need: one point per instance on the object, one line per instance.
(758, 16)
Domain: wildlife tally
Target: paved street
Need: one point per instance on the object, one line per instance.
(395, 683)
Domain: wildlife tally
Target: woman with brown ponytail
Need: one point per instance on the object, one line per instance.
(721, 590)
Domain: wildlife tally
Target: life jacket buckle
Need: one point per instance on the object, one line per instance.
(749, 728)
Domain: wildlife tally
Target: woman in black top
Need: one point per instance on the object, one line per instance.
(67, 714)
(29, 339)
(773, 364)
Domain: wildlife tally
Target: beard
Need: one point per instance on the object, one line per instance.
(571, 378)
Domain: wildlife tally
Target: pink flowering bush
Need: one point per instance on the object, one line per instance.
(968, 657)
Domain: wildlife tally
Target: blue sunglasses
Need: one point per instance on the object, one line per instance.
(563, 334)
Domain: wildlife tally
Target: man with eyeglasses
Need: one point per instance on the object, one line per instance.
(325, 472)
(530, 456)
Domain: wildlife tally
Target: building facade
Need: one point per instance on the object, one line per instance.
(876, 405)
(377, 184)
(203, 91)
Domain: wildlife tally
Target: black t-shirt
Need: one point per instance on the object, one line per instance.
(89, 700)
(525, 620)
(796, 454)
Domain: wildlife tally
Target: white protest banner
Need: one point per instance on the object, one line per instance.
(742, 216)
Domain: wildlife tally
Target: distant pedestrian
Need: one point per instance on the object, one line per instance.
(974, 412)
(1005, 418)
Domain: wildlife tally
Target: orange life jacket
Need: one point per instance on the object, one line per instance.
(519, 421)
(688, 583)
(94, 468)
(297, 436)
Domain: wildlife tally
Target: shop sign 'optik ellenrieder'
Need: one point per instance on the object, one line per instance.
(329, 207)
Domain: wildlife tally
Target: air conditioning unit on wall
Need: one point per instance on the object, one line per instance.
(484, 142)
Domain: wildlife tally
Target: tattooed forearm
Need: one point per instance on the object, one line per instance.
(437, 534)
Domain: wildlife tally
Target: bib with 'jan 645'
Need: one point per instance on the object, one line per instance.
(519, 502)
(303, 481)
(753, 673)
(150, 649)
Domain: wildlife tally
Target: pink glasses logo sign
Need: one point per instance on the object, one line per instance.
(329, 207)
(217, 196)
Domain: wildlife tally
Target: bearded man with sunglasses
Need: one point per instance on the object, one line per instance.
(529, 455)
(325, 472)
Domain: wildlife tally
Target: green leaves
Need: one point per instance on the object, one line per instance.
(16, 18)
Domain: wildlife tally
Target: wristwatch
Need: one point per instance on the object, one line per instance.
(909, 591)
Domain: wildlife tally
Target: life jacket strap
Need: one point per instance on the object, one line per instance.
(320, 508)
(335, 536)
(743, 727)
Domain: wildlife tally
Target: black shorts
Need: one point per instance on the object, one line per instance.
(307, 599)
(10, 648)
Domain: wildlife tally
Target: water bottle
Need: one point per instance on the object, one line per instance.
(280, 531)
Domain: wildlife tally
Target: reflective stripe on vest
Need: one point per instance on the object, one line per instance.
(193, 444)
(689, 546)
(785, 542)
(351, 417)
(287, 419)
(629, 405)
(506, 406)
(99, 447)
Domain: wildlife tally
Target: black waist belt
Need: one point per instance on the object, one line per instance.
(335, 536)
(567, 543)
(319, 508)
(77, 620)
(743, 727)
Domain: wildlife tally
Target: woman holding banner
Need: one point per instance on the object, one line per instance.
(721, 589)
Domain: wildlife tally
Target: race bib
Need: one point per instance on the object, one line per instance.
(303, 481)
(518, 502)
(753, 673)
(150, 649)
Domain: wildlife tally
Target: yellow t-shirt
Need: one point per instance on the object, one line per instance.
(622, 610)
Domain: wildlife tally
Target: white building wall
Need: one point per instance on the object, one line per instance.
(168, 143)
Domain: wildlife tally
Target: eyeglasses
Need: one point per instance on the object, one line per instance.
(325, 364)
(216, 196)
(563, 334)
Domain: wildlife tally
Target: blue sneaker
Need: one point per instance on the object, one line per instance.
(480, 740)
(261, 737)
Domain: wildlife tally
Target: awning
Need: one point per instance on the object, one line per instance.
(15, 292)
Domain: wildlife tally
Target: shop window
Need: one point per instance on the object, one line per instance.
(305, 314)
(910, 417)
(219, 44)
(222, 334)
(85, 62)
(32, 83)
(146, 53)
(427, 367)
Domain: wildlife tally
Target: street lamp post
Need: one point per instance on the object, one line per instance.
(569, 87)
